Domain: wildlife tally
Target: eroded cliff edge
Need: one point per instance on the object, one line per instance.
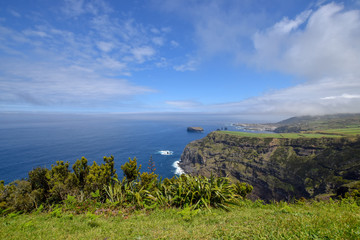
(277, 168)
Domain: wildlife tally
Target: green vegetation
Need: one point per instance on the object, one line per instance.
(316, 123)
(283, 135)
(350, 131)
(90, 188)
(250, 220)
(91, 202)
(278, 166)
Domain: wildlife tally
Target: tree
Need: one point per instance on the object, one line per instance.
(131, 170)
(39, 179)
(100, 176)
(81, 170)
(109, 170)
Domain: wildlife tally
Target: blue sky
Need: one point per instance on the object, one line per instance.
(240, 57)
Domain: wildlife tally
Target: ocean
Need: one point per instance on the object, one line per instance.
(30, 141)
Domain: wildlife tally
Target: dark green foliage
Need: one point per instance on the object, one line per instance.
(100, 175)
(81, 170)
(243, 189)
(17, 196)
(148, 180)
(131, 170)
(59, 173)
(90, 187)
(39, 178)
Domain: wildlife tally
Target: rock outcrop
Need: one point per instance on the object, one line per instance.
(277, 168)
(195, 129)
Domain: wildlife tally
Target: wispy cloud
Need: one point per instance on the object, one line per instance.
(142, 53)
(190, 65)
(174, 43)
(47, 84)
(184, 105)
(320, 47)
(75, 8)
(15, 13)
(46, 64)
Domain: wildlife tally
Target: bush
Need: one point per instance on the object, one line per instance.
(91, 187)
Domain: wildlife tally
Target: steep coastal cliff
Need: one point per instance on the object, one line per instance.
(278, 168)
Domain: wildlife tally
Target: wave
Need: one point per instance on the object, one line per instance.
(178, 169)
(166, 152)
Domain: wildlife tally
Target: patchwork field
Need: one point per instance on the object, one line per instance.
(329, 133)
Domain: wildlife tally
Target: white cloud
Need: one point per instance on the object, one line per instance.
(190, 65)
(158, 41)
(162, 63)
(327, 46)
(46, 84)
(166, 29)
(155, 30)
(35, 33)
(321, 47)
(15, 13)
(343, 96)
(142, 53)
(75, 8)
(183, 104)
(110, 63)
(174, 43)
(105, 46)
(48, 65)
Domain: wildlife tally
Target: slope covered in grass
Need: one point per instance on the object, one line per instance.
(250, 220)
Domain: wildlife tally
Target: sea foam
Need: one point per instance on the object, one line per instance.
(178, 169)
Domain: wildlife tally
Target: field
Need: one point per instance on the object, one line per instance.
(250, 220)
(329, 133)
(350, 131)
(282, 135)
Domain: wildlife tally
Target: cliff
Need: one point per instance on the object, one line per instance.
(277, 168)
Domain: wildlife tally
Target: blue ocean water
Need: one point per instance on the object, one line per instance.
(30, 142)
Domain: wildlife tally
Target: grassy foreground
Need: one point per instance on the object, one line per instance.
(318, 220)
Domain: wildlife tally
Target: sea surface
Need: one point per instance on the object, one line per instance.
(27, 142)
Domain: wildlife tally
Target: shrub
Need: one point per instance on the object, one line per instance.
(131, 170)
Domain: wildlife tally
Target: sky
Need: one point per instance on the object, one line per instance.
(240, 57)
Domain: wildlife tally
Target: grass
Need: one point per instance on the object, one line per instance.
(319, 220)
(282, 135)
(329, 133)
(341, 131)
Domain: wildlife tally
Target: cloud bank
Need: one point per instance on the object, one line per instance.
(319, 47)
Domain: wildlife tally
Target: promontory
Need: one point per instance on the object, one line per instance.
(281, 166)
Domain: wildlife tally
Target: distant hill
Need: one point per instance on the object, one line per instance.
(314, 123)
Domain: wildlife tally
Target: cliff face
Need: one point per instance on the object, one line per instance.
(277, 168)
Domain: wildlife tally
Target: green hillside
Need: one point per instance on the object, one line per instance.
(284, 135)
(314, 123)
